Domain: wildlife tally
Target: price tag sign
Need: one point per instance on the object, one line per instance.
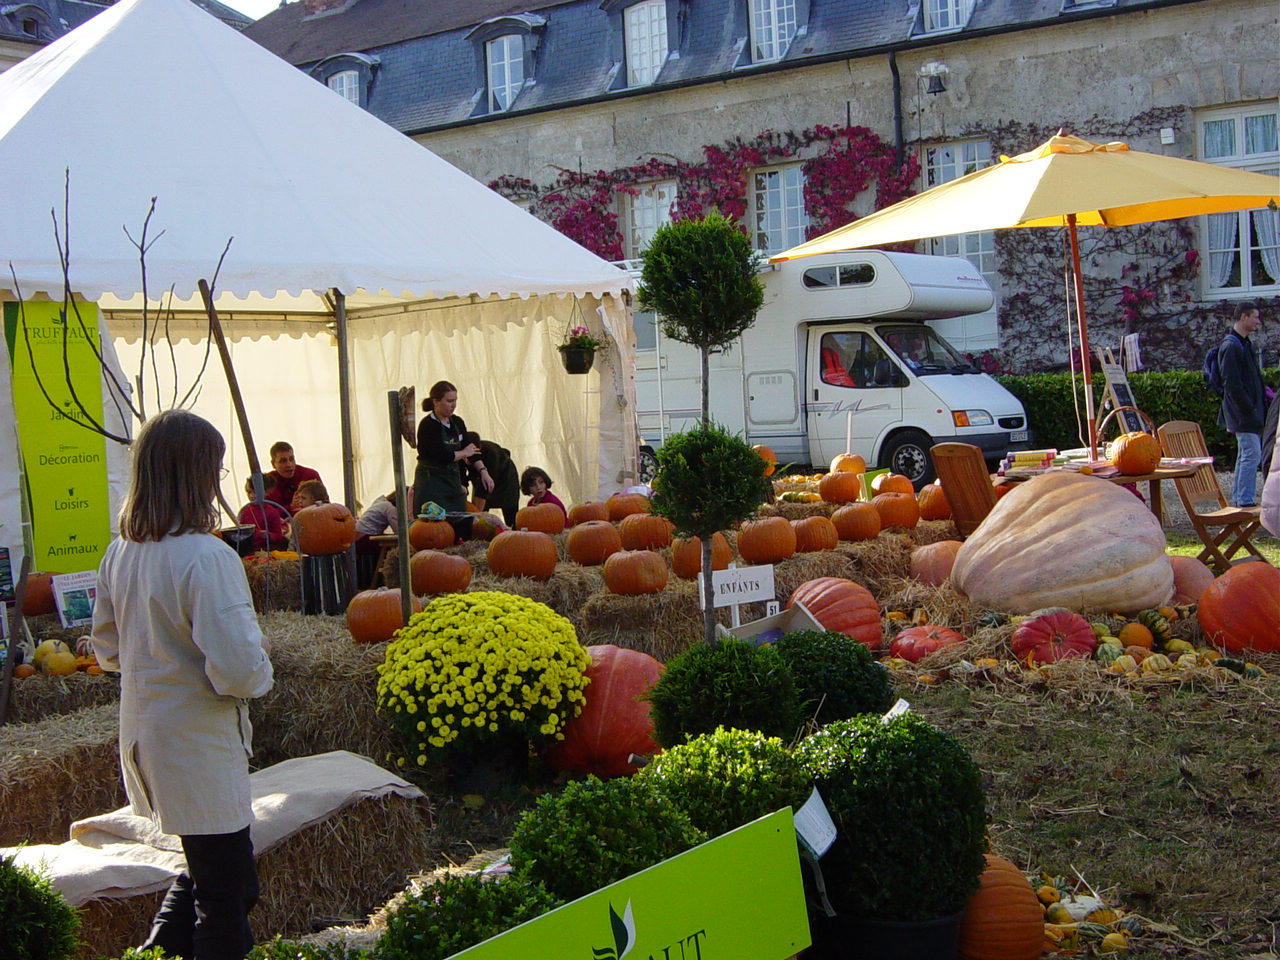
(814, 826)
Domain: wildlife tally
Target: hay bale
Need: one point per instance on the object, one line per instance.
(36, 697)
(932, 531)
(324, 696)
(276, 584)
(660, 624)
(344, 866)
(56, 771)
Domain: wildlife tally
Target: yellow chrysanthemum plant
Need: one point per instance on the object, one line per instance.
(476, 666)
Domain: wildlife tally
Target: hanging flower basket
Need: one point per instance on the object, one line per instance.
(577, 359)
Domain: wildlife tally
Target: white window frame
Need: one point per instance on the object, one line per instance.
(943, 16)
(778, 215)
(941, 163)
(773, 24)
(346, 84)
(648, 210)
(504, 69)
(1238, 235)
(644, 30)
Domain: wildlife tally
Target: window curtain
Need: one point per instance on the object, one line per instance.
(1267, 224)
(1223, 244)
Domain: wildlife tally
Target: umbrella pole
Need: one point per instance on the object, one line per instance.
(1078, 283)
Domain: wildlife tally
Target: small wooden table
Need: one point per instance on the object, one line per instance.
(1155, 498)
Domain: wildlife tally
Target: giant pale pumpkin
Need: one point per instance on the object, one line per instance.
(1190, 578)
(324, 528)
(1241, 609)
(932, 563)
(614, 722)
(1066, 540)
(1003, 920)
(815, 533)
(543, 517)
(1135, 453)
(375, 615)
(591, 542)
(522, 553)
(843, 606)
(766, 540)
(686, 555)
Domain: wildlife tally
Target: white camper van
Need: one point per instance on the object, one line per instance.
(841, 351)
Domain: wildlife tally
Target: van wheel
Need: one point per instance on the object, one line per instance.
(648, 466)
(907, 453)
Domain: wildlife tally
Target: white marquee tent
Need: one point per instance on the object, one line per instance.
(441, 277)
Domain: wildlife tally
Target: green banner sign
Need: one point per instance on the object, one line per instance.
(65, 464)
(736, 897)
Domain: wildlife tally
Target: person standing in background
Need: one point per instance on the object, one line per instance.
(1244, 404)
(287, 474)
(443, 453)
(505, 492)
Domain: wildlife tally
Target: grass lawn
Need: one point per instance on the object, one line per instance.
(1188, 544)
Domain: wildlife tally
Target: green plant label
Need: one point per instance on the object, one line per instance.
(737, 896)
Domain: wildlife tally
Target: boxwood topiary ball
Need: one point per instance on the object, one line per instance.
(836, 677)
(35, 921)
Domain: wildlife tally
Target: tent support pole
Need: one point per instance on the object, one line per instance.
(344, 404)
(242, 416)
(402, 507)
(1078, 283)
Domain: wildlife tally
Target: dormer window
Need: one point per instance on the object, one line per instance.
(346, 84)
(773, 24)
(30, 27)
(645, 31)
(504, 60)
(944, 16)
(349, 75)
(505, 47)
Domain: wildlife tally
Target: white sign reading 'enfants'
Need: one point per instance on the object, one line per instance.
(740, 585)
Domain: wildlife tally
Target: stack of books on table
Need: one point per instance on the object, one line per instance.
(1028, 463)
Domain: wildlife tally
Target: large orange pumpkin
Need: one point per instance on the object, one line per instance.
(592, 542)
(38, 598)
(857, 521)
(1135, 453)
(614, 722)
(768, 456)
(542, 517)
(840, 487)
(625, 504)
(897, 509)
(686, 555)
(815, 533)
(766, 540)
(892, 483)
(932, 563)
(1190, 579)
(848, 463)
(431, 534)
(431, 571)
(374, 615)
(1003, 920)
(324, 528)
(933, 503)
(633, 572)
(522, 553)
(1240, 610)
(645, 531)
(843, 606)
(587, 510)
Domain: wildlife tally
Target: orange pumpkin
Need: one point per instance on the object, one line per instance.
(1190, 579)
(23, 670)
(522, 553)
(848, 463)
(915, 643)
(1003, 920)
(472, 507)
(766, 540)
(431, 571)
(897, 509)
(892, 483)
(840, 487)
(591, 542)
(1240, 610)
(625, 504)
(815, 533)
(932, 563)
(431, 534)
(324, 528)
(645, 531)
(541, 517)
(587, 510)
(38, 599)
(1135, 453)
(770, 459)
(614, 722)
(933, 503)
(633, 572)
(857, 521)
(843, 606)
(686, 555)
(374, 615)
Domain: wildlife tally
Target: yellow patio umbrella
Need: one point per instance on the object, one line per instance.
(1064, 182)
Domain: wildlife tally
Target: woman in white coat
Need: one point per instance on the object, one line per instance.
(174, 616)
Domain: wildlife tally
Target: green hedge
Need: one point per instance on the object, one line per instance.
(1171, 395)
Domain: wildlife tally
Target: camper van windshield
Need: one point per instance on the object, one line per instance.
(923, 351)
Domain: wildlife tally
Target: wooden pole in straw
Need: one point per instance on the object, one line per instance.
(237, 400)
(402, 508)
(1078, 283)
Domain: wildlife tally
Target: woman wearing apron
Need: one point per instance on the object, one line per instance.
(443, 453)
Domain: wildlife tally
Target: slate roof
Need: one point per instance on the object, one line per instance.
(63, 16)
(430, 75)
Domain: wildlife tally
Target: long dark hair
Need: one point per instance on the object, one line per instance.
(176, 459)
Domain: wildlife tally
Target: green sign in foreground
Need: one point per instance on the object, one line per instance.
(737, 897)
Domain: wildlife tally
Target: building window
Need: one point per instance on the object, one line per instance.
(346, 84)
(1242, 248)
(505, 63)
(942, 15)
(649, 209)
(942, 164)
(779, 214)
(773, 24)
(645, 29)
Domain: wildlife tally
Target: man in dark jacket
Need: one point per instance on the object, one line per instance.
(1244, 405)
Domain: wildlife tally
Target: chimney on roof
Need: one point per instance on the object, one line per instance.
(315, 8)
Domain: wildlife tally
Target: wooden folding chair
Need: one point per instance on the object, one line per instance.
(963, 473)
(1206, 507)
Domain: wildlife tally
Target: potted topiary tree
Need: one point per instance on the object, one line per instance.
(907, 801)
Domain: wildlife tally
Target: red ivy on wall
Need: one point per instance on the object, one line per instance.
(583, 206)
